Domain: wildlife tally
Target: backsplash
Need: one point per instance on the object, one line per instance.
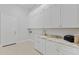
(63, 31)
(56, 31)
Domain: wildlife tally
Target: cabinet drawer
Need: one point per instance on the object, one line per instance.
(67, 50)
(51, 48)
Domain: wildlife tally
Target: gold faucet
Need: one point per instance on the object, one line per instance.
(44, 32)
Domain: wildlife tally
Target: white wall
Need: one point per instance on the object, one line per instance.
(21, 17)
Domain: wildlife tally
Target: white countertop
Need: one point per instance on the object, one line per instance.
(61, 41)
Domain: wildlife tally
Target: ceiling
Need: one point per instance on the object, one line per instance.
(25, 8)
(29, 7)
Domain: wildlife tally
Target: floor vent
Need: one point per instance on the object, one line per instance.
(9, 45)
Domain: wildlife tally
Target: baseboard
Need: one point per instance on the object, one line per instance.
(9, 45)
(20, 41)
(23, 41)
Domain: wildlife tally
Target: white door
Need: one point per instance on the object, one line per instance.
(9, 29)
(69, 16)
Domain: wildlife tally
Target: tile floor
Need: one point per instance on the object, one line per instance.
(24, 48)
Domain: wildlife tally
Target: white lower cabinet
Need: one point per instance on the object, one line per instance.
(68, 50)
(51, 48)
(40, 45)
(43, 46)
(48, 47)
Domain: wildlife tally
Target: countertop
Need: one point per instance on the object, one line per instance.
(60, 41)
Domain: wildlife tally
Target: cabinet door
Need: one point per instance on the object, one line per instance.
(78, 15)
(44, 46)
(69, 16)
(51, 48)
(35, 21)
(40, 45)
(51, 16)
(35, 17)
(68, 50)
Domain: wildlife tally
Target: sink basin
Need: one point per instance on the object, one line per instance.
(54, 36)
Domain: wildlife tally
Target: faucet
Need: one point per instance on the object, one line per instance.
(29, 30)
(44, 32)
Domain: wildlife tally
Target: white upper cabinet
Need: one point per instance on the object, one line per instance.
(47, 16)
(69, 16)
(78, 15)
(35, 21)
(35, 17)
(51, 16)
(55, 16)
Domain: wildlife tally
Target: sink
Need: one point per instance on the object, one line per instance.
(54, 36)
